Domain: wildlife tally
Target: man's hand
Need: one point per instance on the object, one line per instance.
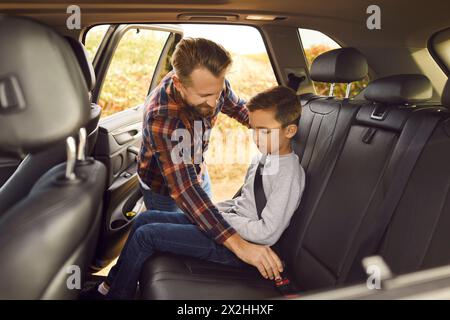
(262, 257)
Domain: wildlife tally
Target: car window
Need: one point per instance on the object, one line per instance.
(439, 45)
(94, 37)
(315, 43)
(231, 147)
(130, 72)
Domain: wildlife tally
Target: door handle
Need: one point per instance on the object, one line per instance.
(127, 136)
(133, 150)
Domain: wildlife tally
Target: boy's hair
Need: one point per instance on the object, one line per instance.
(191, 53)
(283, 99)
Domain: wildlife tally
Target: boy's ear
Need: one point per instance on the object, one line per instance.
(291, 130)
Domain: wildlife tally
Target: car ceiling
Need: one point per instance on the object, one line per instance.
(403, 22)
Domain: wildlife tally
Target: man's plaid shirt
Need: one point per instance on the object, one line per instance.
(164, 113)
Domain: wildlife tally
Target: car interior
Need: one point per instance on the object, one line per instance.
(374, 163)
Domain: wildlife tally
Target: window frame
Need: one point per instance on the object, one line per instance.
(445, 66)
(114, 34)
(109, 46)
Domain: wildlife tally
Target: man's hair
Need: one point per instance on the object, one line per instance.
(281, 99)
(192, 53)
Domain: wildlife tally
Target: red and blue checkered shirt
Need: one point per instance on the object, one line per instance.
(164, 113)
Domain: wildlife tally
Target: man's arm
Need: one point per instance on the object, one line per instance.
(234, 106)
(193, 200)
(181, 178)
(262, 257)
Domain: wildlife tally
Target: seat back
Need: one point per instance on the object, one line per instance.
(338, 214)
(34, 165)
(323, 127)
(51, 235)
(48, 235)
(89, 75)
(418, 234)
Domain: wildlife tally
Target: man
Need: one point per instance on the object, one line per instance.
(196, 90)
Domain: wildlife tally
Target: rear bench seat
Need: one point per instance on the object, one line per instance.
(344, 210)
(349, 158)
(323, 124)
(322, 129)
(418, 236)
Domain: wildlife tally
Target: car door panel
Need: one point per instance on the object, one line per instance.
(118, 144)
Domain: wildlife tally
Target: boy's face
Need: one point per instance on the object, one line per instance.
(269, 135)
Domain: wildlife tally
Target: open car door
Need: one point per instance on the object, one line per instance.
(124, 79)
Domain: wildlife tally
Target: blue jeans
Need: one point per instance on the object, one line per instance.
(155, 201)
(162, 231)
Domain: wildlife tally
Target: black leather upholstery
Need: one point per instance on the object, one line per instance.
(40, 239)
(34, 165)
(400, 89)
(343, 65)
(392, 118)
(90, 78)
(446, 95)
(92, 128)
(48, 226)
(173, 277)
(333, 214)
(36, 65)
(349, 150)
(83, 60)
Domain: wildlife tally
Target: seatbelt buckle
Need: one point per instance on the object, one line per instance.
(284, 286)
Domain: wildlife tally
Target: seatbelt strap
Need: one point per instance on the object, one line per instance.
(370, 245)
(258, 188)
(284, 286)
(238, 193)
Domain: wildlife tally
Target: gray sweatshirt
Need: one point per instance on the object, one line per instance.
(283, 183)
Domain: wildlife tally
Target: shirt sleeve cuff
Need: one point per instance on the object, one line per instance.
(221, 234)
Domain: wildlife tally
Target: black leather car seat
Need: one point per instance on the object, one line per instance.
(35, 164)
(49, 234)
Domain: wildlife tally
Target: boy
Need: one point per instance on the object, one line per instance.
(271, 193)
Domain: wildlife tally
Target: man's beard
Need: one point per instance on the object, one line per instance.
(204, 110)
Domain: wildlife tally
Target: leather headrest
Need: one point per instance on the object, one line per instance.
(342, 65)
(445, 98)
(400, 89)
(83, 60)
(43, 94)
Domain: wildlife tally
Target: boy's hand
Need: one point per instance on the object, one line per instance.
(262, 257)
